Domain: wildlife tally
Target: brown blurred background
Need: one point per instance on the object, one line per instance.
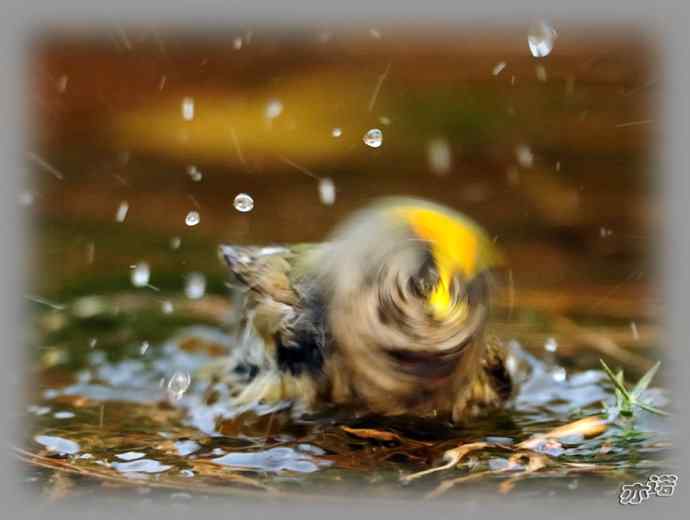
(554, 155)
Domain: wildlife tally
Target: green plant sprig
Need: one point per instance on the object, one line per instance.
(627, 399)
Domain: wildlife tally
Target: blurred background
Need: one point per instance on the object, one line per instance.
(135, 129)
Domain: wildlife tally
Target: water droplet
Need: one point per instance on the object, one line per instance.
(274, 109)
(327, 191)
(559, 374)
(178, 385)
(194, 173)
(558, 166)
(605, 232)
(93, 342)
(188, 109)
(63, 415)
(524, 155)
(175, 242)
(144, 347)
(195, 286)
(237, 43)
(192, 218)
(58, 444)
(373, 138)
(167, 307)
(541, 73)
(633, 329)
(385, 120)
(439, 156)
(122, 210)
(375, 33)
(243, 203)
(541, 38)
(336, 132)
(141, 275)
(498, 68)
(551, 345)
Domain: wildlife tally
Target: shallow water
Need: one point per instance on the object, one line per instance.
(108, 414)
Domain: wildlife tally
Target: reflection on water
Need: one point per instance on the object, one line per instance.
(147, 158)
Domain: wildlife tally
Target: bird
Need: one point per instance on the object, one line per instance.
(386, 316)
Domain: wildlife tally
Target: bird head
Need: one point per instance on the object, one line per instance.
(407, 291)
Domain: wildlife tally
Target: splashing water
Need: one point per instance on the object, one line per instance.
(192, 218)
(194, 173)
(373, 138)
(122, 210)
(540, 39)
(273, 109)
(187, 108)
(327, 191)
(195, 286)
(141, 274)
(439, 156)
(178, 385)
(243, 203)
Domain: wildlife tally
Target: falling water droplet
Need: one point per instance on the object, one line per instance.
(237, 43)
(633, 329)
(167, 307)
(243, 203)
(122, 210)
(178, 384)
(540, 38)
(541, 73)
(175, 242)
(373, 138)
(439, 156)
(327, 191)
(144, 347)
(194, 173)
(559, 374)
(192, 218)
(551, 345)
(498, 68)
(524, 155)
(274, 109)
(195, 286)
(187, 109)
(141, 275)
(337, 132)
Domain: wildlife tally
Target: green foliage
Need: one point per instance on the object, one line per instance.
(627, 400)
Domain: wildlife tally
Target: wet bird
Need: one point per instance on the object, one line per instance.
(386, 317)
